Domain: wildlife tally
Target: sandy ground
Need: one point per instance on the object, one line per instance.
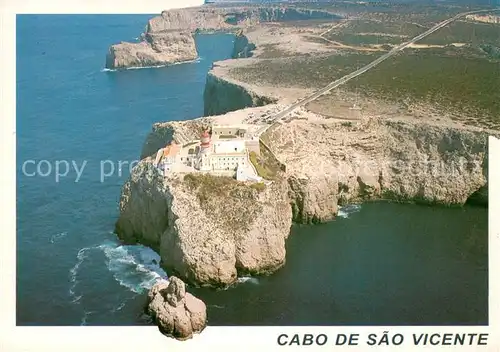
(289, 41)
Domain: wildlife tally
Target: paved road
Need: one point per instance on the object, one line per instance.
(374, 63)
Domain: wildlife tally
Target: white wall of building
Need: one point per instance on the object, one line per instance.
(225, 147)
(227, 162)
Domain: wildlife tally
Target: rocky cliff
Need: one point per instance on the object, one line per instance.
(224, 18)
(207, 229)
(221, 96)
(169, 38)
(330, 163)
(154, 49)
(242, 46)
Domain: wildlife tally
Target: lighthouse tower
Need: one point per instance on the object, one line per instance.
(204, 159)
(205, 142)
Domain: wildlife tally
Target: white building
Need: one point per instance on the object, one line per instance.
(220, 154)
(224, 150)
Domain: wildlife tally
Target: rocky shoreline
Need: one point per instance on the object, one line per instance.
(169, 38)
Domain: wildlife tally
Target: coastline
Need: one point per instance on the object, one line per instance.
(326, 163)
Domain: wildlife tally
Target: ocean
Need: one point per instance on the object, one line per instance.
(376, 264)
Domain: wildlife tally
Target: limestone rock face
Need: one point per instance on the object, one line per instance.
(178, 313)
(221, 96)
(206, 235)
(169, 37)
(404, 160)
(231, 17)
(155, 49)
(313, 199)
(179, 131)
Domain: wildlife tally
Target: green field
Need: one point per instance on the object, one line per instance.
(451, 79)
(301, 72)
(468, 86)
(465, 32)
(354, 39)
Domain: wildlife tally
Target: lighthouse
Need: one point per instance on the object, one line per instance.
(204, 156)
(205, 141)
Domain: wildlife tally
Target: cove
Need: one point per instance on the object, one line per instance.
(376, 264)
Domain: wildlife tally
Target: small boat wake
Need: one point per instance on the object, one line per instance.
(346, 211)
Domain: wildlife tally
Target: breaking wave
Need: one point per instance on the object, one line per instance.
(216, 306)
(347, 210)
(249, 279)
(134, 266)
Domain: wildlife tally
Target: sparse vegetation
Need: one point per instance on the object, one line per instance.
(271, 51)
(468, 86)
(208, 186)
(465, 32)
(364, 39)
(302, 72)
(230, 203)
(369, 32)
(259, 186)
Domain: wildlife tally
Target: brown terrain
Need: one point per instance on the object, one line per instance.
(414, 128)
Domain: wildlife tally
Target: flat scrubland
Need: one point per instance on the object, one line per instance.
(369, 32)
(466, 87)
(466, 32)
(302, 72)
(454, 71)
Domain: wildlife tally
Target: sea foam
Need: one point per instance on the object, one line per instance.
(133, 266)
(346, 211)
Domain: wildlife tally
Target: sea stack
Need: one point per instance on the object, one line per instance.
(177, 313)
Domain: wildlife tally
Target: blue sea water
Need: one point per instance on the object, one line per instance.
(71, 268)
(377, 264)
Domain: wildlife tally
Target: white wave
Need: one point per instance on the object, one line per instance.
(57, 236)
(249, 279)
(347, 210)
(133, 266)
(216, 306)
(197, 60)
(84, 319)
(73, 273)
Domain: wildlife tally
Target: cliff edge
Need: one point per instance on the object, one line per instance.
(207, 229)
(168, 38)
(154, 49)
